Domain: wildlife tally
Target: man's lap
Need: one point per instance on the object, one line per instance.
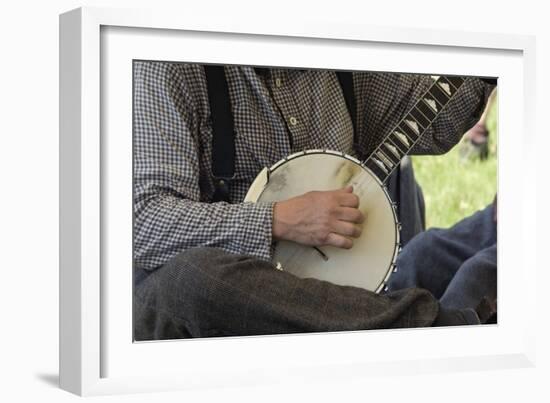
(207, 292)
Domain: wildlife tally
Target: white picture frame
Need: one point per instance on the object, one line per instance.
(96, 354)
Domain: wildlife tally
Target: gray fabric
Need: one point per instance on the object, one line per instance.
(172, 144)
(457, 265)
(206, 292)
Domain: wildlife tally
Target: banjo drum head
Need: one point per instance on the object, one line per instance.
(370, 261)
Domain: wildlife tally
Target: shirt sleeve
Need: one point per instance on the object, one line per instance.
(384, 99)
(170, 212)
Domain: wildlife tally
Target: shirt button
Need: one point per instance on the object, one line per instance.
(278, 82)
(293, 121)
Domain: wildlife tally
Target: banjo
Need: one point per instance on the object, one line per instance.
(371, 261)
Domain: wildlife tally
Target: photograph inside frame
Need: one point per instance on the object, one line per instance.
(274, 200)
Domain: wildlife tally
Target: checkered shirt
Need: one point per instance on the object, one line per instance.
(276, 112)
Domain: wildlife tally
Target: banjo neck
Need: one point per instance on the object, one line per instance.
(406, 134)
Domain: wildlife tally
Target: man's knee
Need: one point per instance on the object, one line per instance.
(482, 267)
(419, 248)
(413, 262)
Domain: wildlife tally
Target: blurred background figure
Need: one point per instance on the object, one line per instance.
(476, 140)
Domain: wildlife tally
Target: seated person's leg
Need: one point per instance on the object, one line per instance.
(476, 278)
(431, 259)
(207, 292)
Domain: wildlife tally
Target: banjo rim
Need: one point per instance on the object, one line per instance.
(397, 244)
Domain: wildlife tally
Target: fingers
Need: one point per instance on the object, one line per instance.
(350, 214)
(349, 204)
(339, 241)
(347, 229)
(319, 218)
(348, 200)
(346, 197)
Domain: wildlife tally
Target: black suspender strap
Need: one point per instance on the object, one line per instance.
(223, 136)
(346, 82)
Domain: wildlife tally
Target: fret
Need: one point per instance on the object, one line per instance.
(399, 147)
(419, 117)
(384, 158)
(456, 82)
(447, 87)
(439, 95)
(392, 152)
(404, 142)
(382, 174)
(428, 107)
(410, 128)
(412, 124)
(380, 165)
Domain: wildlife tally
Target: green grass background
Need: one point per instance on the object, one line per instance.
(455, 188)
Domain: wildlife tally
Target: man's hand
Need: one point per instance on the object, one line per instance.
(319, 218)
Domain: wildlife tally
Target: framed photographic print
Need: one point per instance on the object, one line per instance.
(238, 202)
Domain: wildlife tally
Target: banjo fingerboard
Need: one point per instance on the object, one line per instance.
(399, 142)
